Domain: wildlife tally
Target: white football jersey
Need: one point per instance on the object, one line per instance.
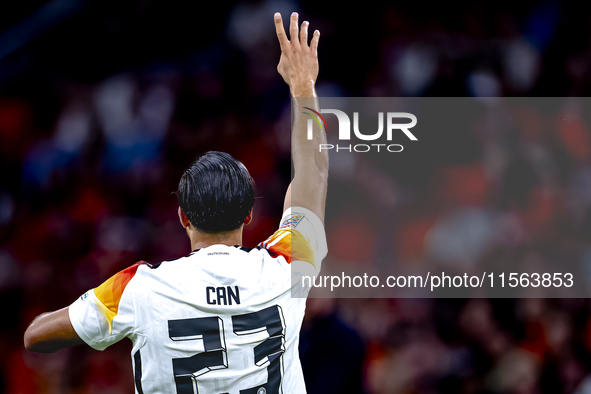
(220, 320)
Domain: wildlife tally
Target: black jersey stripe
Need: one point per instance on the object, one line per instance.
(137, 358)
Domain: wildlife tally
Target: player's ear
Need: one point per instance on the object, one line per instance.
(248, 219)
(183, 218)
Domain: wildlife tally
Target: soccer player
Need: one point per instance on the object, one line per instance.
(221, 319)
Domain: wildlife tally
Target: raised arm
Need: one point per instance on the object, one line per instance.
(298, 66)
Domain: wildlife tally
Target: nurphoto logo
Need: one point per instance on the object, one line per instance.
(345, 130)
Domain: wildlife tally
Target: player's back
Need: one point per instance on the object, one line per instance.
(223, 315)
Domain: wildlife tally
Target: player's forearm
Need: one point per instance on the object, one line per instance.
(310, 164)
(306, 153)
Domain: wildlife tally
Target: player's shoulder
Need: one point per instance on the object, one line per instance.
(130, 280)
(126, 274)
(111, 291)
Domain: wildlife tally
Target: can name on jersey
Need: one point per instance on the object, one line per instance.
(222, 295)
(292, 221)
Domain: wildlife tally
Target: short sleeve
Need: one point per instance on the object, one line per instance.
(105, 315)
(300, 237)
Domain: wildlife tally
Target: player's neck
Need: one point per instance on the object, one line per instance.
(200, 240)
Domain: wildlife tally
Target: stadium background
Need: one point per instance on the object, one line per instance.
(104, 103)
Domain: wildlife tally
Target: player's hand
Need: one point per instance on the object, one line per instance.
(298, 64)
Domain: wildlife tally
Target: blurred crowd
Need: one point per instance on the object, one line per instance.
(94, 138)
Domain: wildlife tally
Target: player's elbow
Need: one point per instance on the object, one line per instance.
(40, 347)
(321, 162)
(34, 342)
(316, 171)
(31, 341)
(320, 176)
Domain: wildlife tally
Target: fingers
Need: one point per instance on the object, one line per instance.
(314, 43)
(304, 34)
(293, 29)
(293, 33)
(280, 31)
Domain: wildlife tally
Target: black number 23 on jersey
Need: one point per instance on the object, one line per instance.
(211, 331)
